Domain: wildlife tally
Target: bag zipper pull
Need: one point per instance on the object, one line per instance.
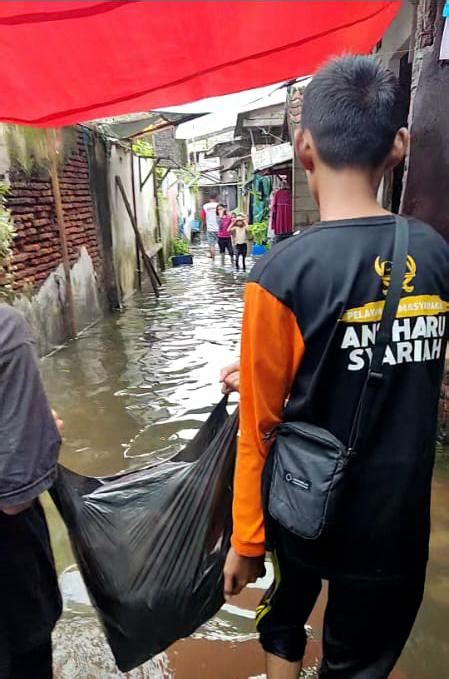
(268, 436)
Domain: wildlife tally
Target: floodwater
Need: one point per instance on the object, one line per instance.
(141, 382)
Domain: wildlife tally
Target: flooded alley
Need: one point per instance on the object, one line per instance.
(144, 169)
(139, 384)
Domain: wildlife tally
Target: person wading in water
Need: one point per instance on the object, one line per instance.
(225, 221)
(210, 219)
(312, 311)
(29, 447)
(239, 231)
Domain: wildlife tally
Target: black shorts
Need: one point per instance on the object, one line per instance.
(366, 624)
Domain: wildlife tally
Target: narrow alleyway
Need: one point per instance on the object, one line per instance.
(143, 381)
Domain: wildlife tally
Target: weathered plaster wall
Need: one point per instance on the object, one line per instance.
(123, 239)
(44, 308)
(168, 210)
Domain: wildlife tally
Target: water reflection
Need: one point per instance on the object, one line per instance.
(140, 384)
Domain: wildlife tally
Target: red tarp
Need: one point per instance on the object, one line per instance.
(65, 62)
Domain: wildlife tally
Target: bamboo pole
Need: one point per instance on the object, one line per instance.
(69, 310)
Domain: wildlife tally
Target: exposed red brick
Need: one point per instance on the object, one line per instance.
(20, 257)
(37, 250)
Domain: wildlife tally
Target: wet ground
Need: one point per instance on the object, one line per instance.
(141, 382)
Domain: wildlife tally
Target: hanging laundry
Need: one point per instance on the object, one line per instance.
(260, 198)
(282, 222)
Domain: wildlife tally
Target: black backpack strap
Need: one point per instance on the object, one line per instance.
(371, 399)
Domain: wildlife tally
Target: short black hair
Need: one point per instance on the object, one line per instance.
(353, 108)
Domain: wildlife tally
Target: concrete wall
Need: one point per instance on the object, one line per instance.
(145, 202)
(44, 307)
(168, 210)
(186, 207)
(123, 239)
(305, 210)
(395, 42)
(98, 156)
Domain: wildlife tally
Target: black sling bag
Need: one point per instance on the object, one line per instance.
(310, 465)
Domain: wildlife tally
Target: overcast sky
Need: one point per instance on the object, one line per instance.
(224, 110)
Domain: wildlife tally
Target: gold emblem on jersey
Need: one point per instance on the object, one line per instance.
(383, 269)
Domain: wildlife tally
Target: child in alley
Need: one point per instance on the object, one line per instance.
(239, 231)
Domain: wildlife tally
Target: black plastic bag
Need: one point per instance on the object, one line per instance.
(151, 544)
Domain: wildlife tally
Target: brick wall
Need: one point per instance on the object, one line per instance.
(37, 250)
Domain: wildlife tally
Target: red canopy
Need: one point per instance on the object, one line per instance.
(65, 62)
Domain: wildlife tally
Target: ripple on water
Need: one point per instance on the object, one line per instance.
(81, 652)
(137, 385)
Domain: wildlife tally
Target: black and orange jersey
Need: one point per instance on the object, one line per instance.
(312, 309)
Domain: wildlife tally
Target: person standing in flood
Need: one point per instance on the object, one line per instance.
(225, 222)
(29, 446)
(239, 231)
(210, 220)
(311, 318)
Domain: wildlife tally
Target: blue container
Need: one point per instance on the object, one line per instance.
(181, 260)
(259, 250)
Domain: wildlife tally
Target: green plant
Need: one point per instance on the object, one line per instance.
(7, 235)
(259, 233)
(180, 246)
(143, 148)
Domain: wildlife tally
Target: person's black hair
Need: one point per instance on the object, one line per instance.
(353, 108)
(223, 206)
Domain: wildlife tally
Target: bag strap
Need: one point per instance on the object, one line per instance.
(372, 396)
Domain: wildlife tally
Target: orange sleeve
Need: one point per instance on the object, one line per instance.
(271, 352)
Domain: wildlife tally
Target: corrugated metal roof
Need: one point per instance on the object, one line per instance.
(124, 127)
